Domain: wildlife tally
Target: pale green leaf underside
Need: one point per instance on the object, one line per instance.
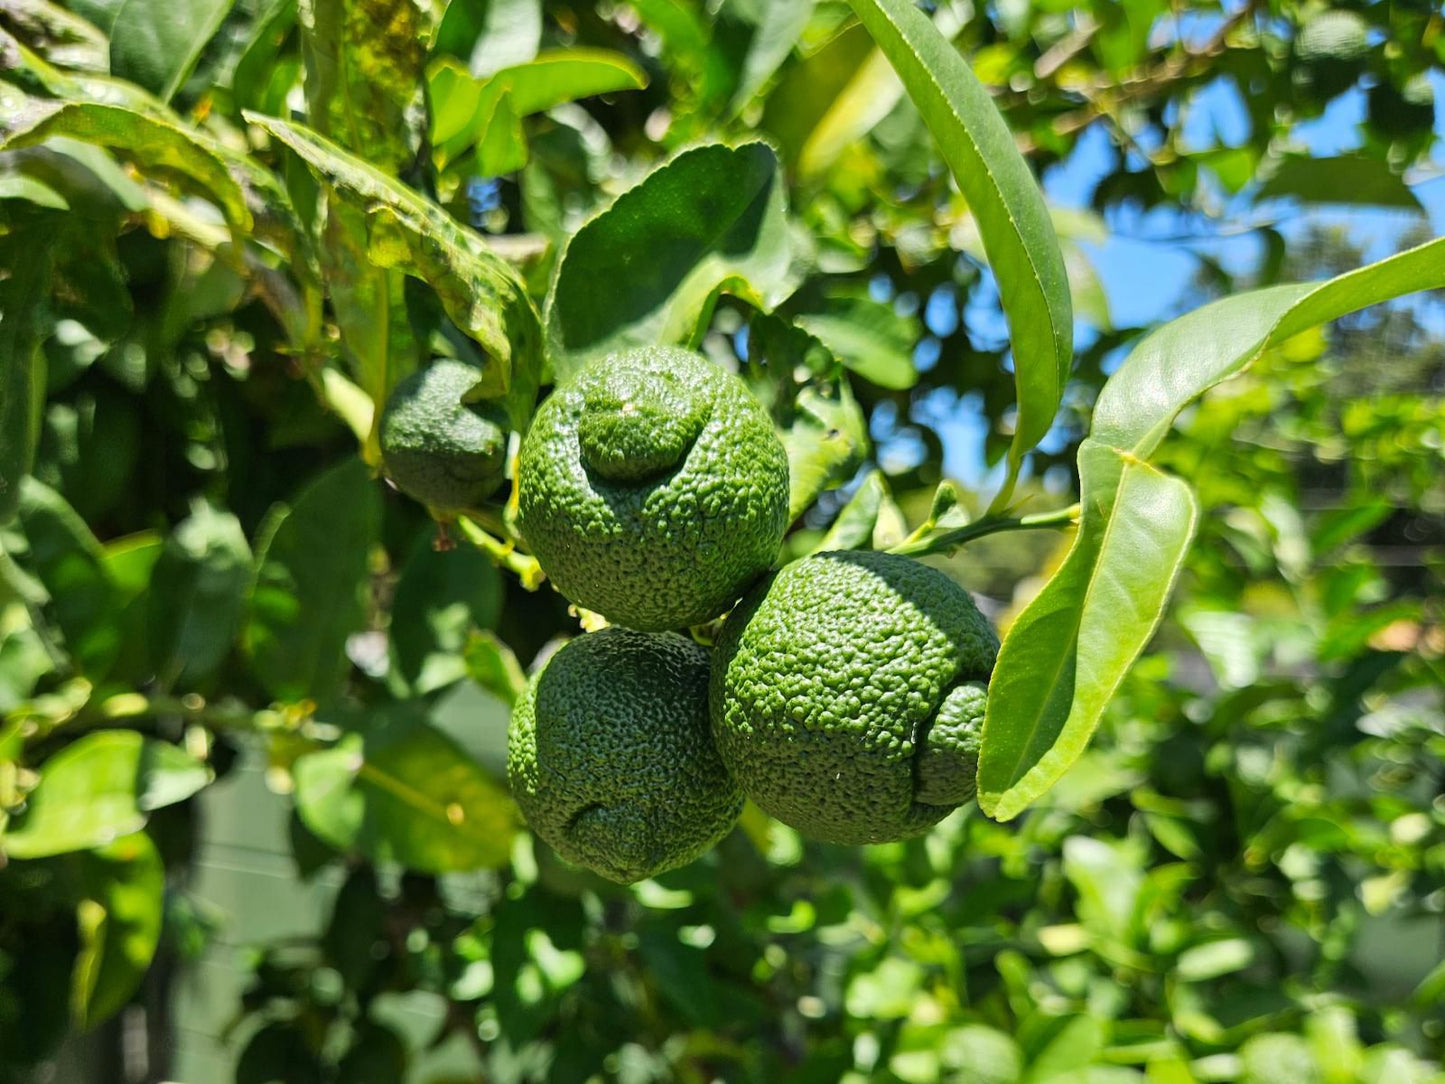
(1070, 648)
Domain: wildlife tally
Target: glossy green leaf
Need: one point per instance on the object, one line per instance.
(156, 43)
(826, 437)
(151, 141)
(853, 529)
(442, 598)
(197, 597)
(401, 791)
(66, 39)
(649, 268)
(480, 291)
(312, 560)
(120, 925)
(1187, 356)
(1068, 650)
(22, 381)
(490, 35)
(98, 789)
(31, 189)
(1003, 196)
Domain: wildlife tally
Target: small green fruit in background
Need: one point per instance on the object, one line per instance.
(848, 694)
(443, 452)
(653, 489)
(1331, 50)
(610, 758)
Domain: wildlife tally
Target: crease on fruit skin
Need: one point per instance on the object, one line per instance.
(828, 681)
(671, 550)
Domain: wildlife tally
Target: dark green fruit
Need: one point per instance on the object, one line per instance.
(653, 489)
(443, 452)
(610, 758)
(848, 695)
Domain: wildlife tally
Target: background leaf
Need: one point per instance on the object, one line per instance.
(198, 595)
(442, 599)
(490, 34)
(156, 43)
(480, 291)
(648, 269)
(120, 925)
(311, 572)
(99, 788)
(22, 383)
(401, 791)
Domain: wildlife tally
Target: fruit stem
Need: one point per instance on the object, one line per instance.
(947, 541)
(504, 554)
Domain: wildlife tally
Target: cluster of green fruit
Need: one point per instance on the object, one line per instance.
(845, 693)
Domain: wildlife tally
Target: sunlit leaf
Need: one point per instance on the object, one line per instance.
(401, 791)
(648, 269)
(120, 925)
(98, 789)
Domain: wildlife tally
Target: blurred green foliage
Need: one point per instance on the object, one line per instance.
(1242, 880)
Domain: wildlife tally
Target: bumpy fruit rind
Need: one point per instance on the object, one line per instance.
(653, 489)
(610, 756)
(443, 452)
(847, 696)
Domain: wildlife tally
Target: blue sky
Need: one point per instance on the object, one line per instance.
(1145, 266)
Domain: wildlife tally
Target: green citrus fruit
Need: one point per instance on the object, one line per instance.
(848, 695)
(610, 758)
(653, 489)
(443, 452)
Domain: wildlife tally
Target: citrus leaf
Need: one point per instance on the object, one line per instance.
(65, 558)
(826, 438)
(151, 141)
(1018, 234)
(648, 269)
(1067, 652)
(311, 570)
(1184, 358)
(156, 43)
(866, 336)
(481, 293)
(401, 791)
(493, 666)
(442, 599)
(461, 102)
(22, 384)
(98, 789)
(120, 925)
(1088, 624)
(853, 529)
(364, 63)
(197, 597)
(782, 22)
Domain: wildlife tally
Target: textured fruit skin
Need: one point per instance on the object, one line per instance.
(828, 695)
(610, 757)
(653, 489)
(437, 449)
